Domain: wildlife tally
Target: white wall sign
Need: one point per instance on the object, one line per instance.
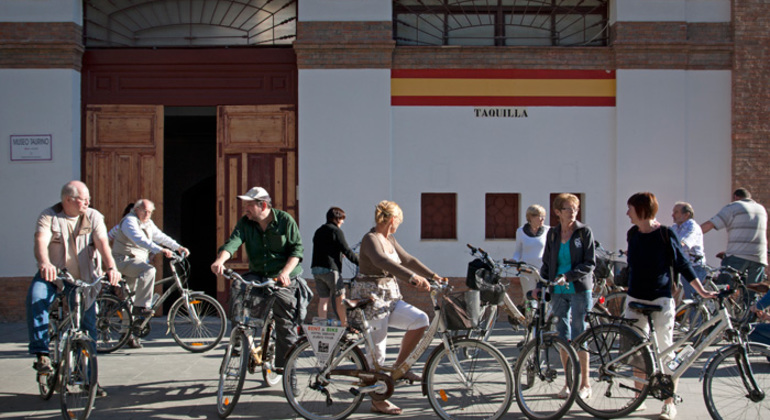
(31, 147)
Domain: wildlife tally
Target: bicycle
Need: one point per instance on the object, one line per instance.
(461, 378)
(691, 313)
(249, 312)
(487, 273)
(546, 362)
(631, 366)
(74, 369)
(196, 321)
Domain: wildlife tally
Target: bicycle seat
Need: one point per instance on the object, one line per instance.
(645, 308)
(357, 303)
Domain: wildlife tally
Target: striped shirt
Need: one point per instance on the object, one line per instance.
(746, 223)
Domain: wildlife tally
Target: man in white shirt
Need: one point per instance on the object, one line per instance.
(135, 238)
(691, 238)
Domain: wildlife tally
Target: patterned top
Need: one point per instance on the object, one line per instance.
(379, 273)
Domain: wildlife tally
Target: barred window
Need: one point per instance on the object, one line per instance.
(438, 216)
(502, 215)
(501, 22)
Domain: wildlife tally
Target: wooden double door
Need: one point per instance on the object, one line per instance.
(255, 145)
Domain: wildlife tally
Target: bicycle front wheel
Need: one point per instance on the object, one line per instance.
(318, 397)
(78, 380)
(46, 382)
(727, 388)
(113, 323)
(232, 373)
(471, 380)
(541, 373)
(613, 379)
(202, 327)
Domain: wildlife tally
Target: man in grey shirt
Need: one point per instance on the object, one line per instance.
(746, 224)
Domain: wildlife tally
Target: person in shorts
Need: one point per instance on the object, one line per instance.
(329, 245)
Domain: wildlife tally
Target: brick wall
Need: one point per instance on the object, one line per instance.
(12, 307)
(328, 45)
(41, 45)
(751, 98)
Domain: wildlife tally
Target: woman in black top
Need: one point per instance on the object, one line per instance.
(652, 251)
(329, 245)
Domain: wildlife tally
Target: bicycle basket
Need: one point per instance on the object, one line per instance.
(621, 274)
(255, 303)
(461, 311)
(483, 278)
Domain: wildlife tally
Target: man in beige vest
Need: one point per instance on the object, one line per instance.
(135, 238)
(67, 235)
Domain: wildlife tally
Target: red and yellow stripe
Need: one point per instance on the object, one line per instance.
(502, 87)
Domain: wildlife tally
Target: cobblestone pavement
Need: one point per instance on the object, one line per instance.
(163, 381)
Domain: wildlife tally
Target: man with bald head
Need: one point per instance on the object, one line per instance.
(135, 239)
(68, 235)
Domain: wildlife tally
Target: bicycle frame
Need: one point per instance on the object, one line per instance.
(338, 376)
(721, 324)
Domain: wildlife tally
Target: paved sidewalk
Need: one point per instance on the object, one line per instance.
(163, 381)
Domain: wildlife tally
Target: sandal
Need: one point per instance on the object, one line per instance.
(411, 376)
(389, 408)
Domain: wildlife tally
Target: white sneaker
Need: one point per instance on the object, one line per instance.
(585, 393)
(668, 412)
(564, 393)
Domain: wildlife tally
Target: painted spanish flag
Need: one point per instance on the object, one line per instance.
(502, 87)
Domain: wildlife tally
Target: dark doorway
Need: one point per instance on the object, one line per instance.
(190, 135)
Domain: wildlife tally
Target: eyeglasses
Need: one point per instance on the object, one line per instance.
(570, 209)
(82, 199)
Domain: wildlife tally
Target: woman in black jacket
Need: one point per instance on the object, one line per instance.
(653, 252)
(569, 256)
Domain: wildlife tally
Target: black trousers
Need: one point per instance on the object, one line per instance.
(284, 312)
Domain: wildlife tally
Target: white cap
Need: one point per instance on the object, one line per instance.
(256, 193)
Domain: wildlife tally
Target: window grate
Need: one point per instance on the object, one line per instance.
(501, 22)
(189, 23)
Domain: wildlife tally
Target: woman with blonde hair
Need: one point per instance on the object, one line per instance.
(530, 243)
(382, 262)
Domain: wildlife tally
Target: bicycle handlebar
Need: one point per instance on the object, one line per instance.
(176, 257)
(64, 275)
(232, 275)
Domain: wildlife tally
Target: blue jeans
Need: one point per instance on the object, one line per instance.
(761, 334)
(39, 298)
(570, 311)
(755, 269)
(689, 291)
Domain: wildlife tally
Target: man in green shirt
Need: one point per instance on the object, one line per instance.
(274, 248)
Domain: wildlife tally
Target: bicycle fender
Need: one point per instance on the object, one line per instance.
(299, 342)
(722, 350)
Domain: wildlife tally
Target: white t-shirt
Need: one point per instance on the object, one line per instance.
(530, 249)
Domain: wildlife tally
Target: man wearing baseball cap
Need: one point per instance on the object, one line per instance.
(274, 248)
